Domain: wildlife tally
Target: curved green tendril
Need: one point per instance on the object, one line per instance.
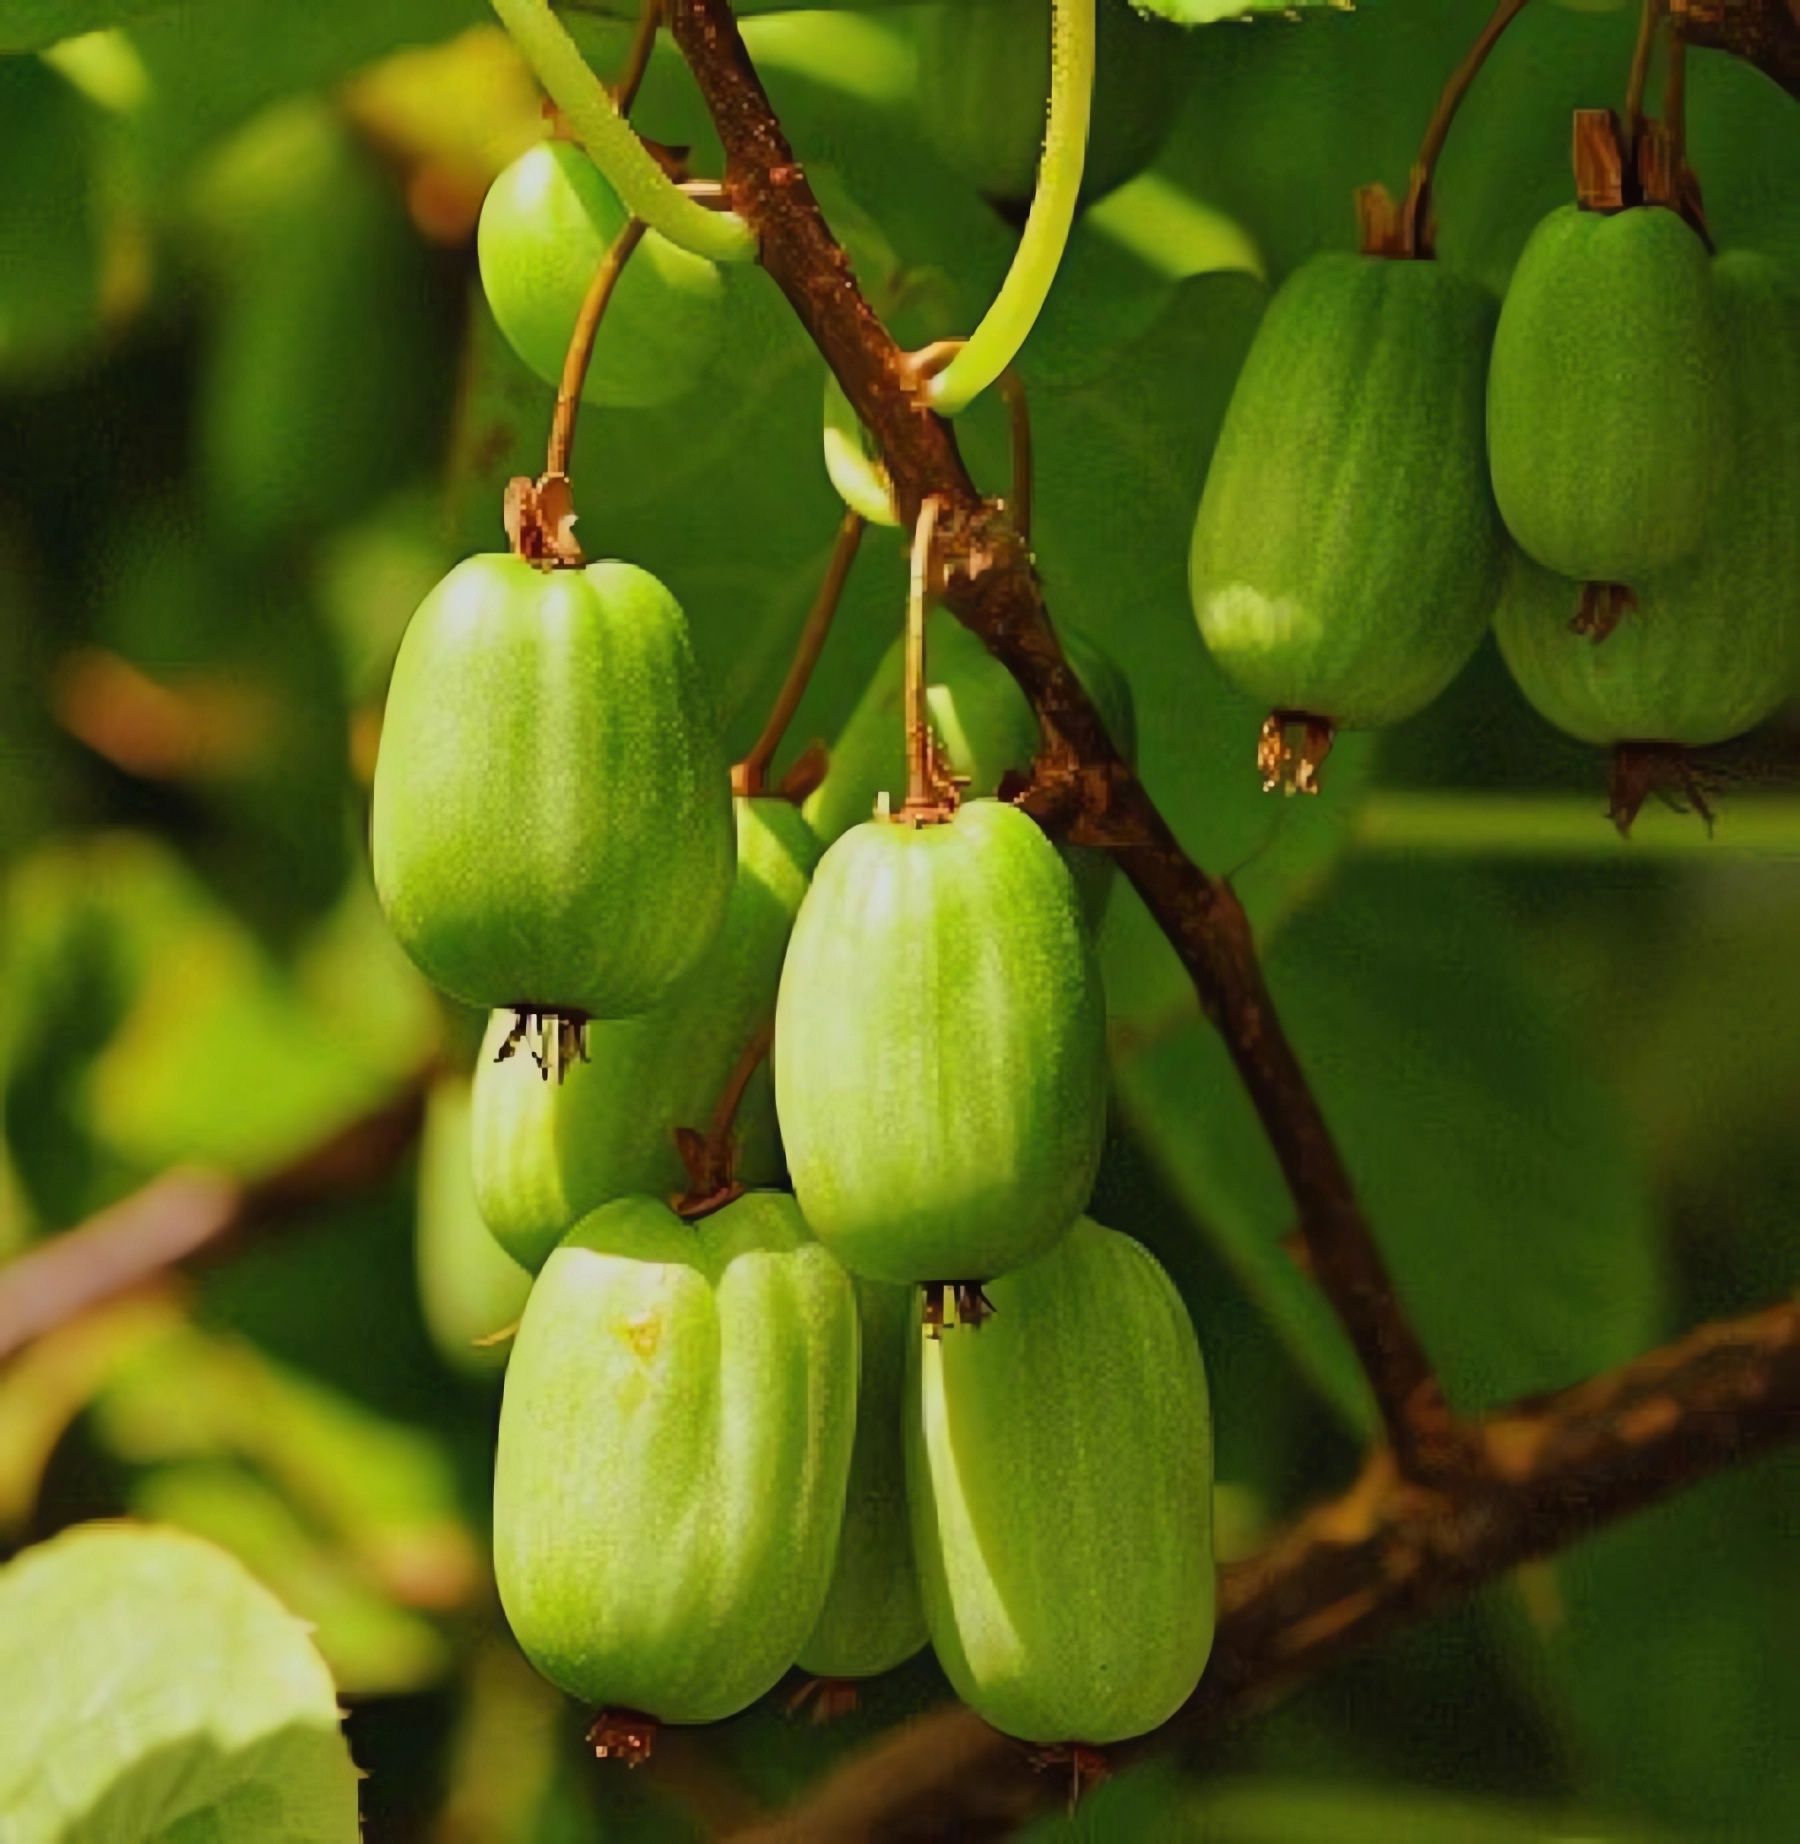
(1003, 329)
(644, 189)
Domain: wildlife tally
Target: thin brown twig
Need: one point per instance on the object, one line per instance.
(1415, 212)
(1383, 1554)
(711, 1157)
(1635, 84)
(581, 345)
(750, 776)
(921, 792)
(1765, 33)
(1018, 415)
(1083, 785)
(637, 56)
(192, 1215)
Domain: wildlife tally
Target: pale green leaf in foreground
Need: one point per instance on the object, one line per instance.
(154, 1691)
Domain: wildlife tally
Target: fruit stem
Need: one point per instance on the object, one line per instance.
(1415, 226)
(1004, 327)
(644, 189)
(930, 361)
(924, 785)
(711, 1160)
(750, 776)
(1648, 20)
(581, 344)
(637, 56)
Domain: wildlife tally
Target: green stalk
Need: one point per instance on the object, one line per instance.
(1567, 826)
(996, 341)
(644, 189)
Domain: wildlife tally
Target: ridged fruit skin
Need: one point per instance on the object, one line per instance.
(468, 1287)
(872, 1620)
(1346, 550)
(545, 224)
(1059, 1469)
(552, 807)
(1709, 649)
(939, 1048)
(984, 81)
(546, 1153)
(985, 724)
(674, 1443)
(1605, 394)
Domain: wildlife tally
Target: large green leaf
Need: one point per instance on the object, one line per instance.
(152, 1690)
(1490, 1156)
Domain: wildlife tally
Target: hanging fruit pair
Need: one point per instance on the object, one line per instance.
(551, 825)
(547, 1153)
(1710, 648)
(546, 223)
(675, 1440)
(1059, 1473)
(1347, 548)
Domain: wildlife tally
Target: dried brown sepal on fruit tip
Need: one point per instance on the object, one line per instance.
(540, 521)
(622, 1735)
(829, 1699)
(1384, 228)
(1602, 606)
(1597, 153)
(553, 1039)
(1294, 766)
(1087, 1766)
(1664, 769)
(954, 1303)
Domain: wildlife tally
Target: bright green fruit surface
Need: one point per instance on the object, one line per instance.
(546, 223)
(984, 723)
(1606, 394)
(984, 82)
(1347, 549)
(469, 1288)
(674, 1442)
(552, 807)
(546, 1153)
(872, 1620)
(939, 1048)
(1059, 1469)
(1709, 650)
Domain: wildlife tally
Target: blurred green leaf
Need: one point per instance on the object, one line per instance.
(1490, 1156)
(372, 1644)
(1664, 1648)
(154, 1690)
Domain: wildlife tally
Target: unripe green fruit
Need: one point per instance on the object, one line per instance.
(1605, 394)
(872, 1620)
(551, 825)
(1707, 652)
(468, 1287)
(1346, 548)
(1059, 1469)
(940, 1048)
(983, 720)
(984, 82)
(546, 223)
(674, 1443)
(546, 1153)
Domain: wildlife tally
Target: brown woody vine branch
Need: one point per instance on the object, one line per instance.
(194, 1215)
(1765, 33)
(1082, 785)
(1384, 1553)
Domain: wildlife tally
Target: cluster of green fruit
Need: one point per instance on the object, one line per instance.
(745, 1429)
(1603, 468)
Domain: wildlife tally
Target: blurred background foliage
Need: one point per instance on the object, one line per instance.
(251, 407)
